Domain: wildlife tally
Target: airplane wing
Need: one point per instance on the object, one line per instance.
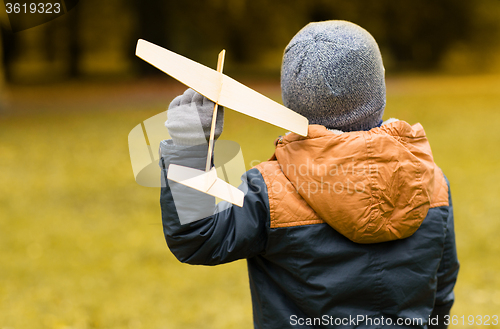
(231, 93)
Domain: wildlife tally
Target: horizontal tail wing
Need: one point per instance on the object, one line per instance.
(207, 182)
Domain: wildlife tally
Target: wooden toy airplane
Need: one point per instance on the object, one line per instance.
(224, 91)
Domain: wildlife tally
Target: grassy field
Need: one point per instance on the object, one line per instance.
(82, 243)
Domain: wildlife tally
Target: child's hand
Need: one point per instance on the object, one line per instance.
(189, 118)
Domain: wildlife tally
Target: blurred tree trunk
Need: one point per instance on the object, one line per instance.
(153, 21)
(3, 102)
(2, 75)
(74, 46)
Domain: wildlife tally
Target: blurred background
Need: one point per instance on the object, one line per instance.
(82, 243)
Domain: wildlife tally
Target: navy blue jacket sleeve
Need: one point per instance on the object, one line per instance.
(225, 232)
(447, 273)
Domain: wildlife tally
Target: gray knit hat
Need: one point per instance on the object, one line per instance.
(333, 74)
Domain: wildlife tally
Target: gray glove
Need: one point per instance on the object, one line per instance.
(189, 119)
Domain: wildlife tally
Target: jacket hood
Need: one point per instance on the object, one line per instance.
(370, 186)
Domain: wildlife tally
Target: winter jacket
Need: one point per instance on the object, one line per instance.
(351, 230)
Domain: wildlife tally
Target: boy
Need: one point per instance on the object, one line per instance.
(350, 226)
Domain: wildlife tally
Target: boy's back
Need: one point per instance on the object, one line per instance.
(351, 225)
